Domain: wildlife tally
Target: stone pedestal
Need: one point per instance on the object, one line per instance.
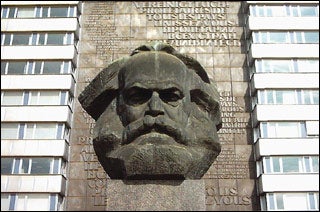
(155, 195)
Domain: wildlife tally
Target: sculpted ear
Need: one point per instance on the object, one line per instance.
(102, 90)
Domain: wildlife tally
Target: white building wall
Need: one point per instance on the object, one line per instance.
(33, 147)
(288, 182)
(34, 25)
(37, 82)
(30, 184)
(39, 52)
(283, 51)
(284, 80)
(308, 145)
(36, 114)
(283, 23)
(287, 147)
(284, 113)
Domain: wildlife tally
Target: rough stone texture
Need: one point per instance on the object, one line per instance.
(102, 42)
(136, 195)
(157, 115)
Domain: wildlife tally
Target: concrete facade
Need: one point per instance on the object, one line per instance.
(225, 37)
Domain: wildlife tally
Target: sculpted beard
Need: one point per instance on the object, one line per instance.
(150, 124)
(155, 145)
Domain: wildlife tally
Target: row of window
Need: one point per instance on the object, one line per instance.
(36, 67)
(31, 202)
(36, 98)
(285, 37)
(292, 201)
(286, 66)
(284, 10)
(38, 165)
(15, 39)
(34, 131)
(288, 96)
(291, 164)
(283, 130)
(39, 12)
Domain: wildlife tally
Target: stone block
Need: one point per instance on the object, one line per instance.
(136, 195)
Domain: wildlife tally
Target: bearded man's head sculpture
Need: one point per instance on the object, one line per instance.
(157, 116)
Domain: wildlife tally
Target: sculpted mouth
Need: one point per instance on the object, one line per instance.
(155, 128)
(155, 138)
(156, 132)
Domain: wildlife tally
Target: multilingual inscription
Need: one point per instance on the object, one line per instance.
(101, 29)
(226, 196)
(183, 24)
(233, 120)
(229, 165)
(192, 23)
(96, 176)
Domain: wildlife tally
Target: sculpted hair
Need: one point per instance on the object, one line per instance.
(190, 62)
(105, 86)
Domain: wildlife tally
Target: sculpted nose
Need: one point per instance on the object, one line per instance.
(155, 106)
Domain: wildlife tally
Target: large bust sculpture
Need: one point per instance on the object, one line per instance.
(157, 116)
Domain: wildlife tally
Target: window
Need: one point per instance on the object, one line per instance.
(12, 98)
(36, 67)
(311, 37)
(308, 65)
(45, 98)
(39, 165)
(310, 97)
(277, 37)
(53, 39)
(304, 11)
(38, 12)
(6, 165)
(34, 131)
(288, 97)
(37, 39)
(16, 68)
(291, 164)
(40, 131)
(9, 130)
(4, 12)
(285, 37)
(8, 12)
(25, 12)
(36, 98)
(20, 39)
(284, 10)
(3, 67)
(286, 66)
(59, 12)
(292, 201)
(283, 130)
(278, 66)
(7, 202)
(53, 67)
(6, 38)
(31, 202)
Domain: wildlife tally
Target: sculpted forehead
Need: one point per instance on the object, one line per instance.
(154, 68)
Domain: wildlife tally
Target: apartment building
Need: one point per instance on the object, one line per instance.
(283, 60)
(38, 74)
(40, 49)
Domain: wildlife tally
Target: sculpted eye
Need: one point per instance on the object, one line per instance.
(171, 96)
(137, 96)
